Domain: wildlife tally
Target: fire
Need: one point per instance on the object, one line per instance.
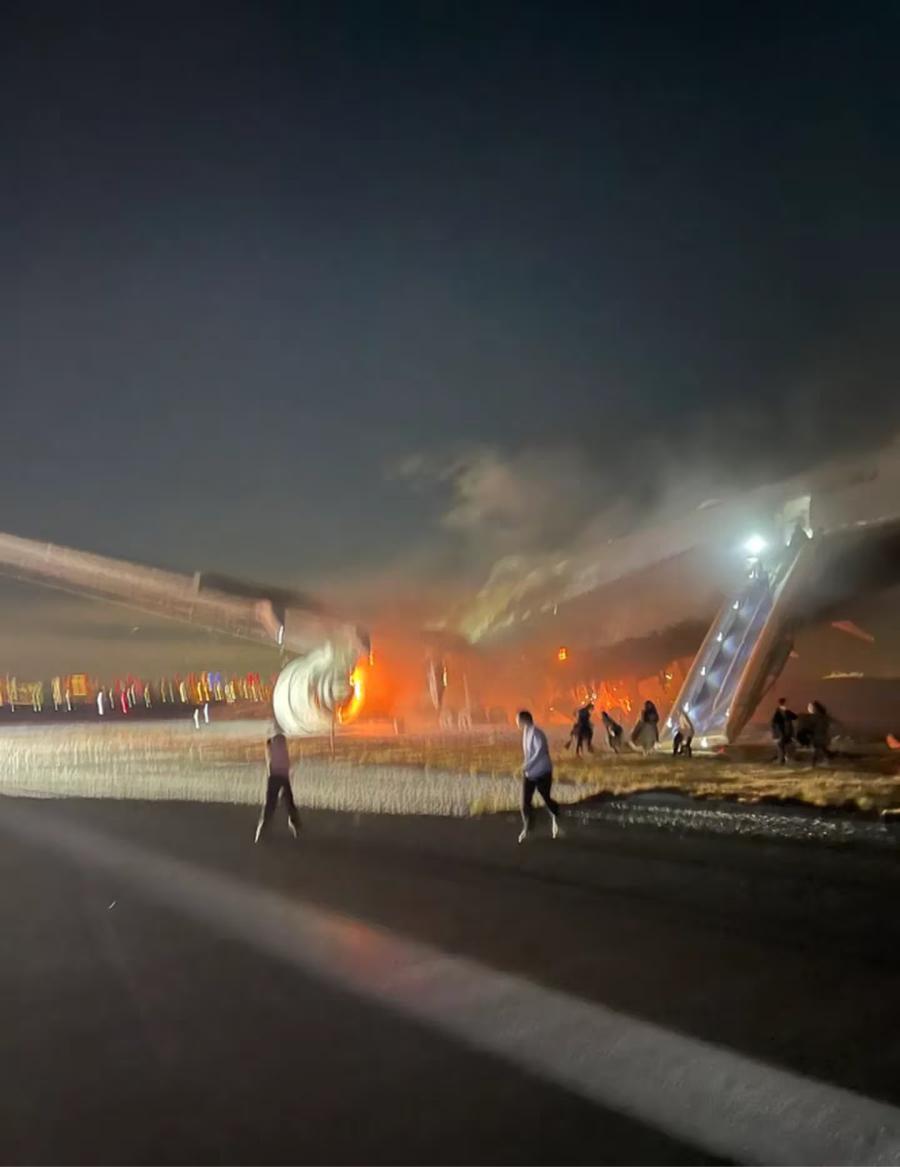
(351, 709)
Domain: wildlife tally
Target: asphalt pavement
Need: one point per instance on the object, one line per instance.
(398, 990)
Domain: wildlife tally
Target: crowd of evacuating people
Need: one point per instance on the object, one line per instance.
(644, 736)
(812, 731)
(788, 732)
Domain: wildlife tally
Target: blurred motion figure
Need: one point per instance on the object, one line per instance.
(278, 782)
(820, 732)
(614, 732)
(684, 734)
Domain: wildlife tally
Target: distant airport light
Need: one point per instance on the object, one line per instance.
(562, 654)
(755, 545)
(736, 605)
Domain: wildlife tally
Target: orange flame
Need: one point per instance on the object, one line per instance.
(353, 706)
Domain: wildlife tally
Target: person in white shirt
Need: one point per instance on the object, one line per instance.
(537, 774)
(278, 782)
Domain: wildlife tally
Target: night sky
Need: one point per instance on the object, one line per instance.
(307, 292)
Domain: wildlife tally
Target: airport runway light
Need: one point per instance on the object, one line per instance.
(755, 546)
(562, 654)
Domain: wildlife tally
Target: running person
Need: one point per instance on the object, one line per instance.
(537, 774)
(278, 782)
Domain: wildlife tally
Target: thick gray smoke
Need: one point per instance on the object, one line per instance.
(543, 527)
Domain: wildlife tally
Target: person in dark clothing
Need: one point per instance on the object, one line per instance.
(820, 732)
(645, 734)
(684, 735)
(583, 729)
(278, 783)
(783, 720)
(613, 732)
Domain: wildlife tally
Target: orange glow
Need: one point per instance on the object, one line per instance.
(614, 695)
(562, 654)
(351, 709)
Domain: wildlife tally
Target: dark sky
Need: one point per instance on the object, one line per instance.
(255, 255)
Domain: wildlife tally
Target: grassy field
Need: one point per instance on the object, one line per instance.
(868, 781)
(415, 774)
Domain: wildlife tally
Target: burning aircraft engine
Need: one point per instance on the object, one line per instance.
(314, 691)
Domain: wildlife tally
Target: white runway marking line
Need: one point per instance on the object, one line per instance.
(710, 1097)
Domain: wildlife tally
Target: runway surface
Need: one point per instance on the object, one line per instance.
(409, 989)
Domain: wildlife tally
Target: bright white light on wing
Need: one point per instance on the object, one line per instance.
(755, 545)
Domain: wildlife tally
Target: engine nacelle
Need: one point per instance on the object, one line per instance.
(312, 690)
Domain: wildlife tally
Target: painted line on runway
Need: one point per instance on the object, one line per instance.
(706, 1095)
